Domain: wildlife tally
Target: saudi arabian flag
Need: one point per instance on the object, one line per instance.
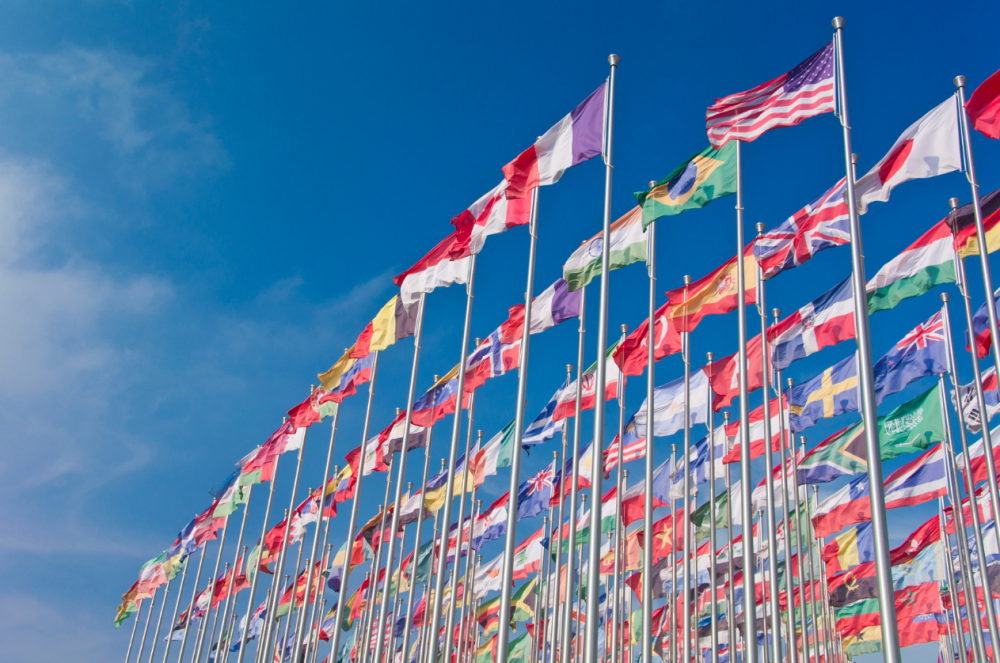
(628, 245)
(520, 649)
(708, 175)
(927, 262)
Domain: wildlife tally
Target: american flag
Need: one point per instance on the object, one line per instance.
(805, 91)
(822, 224)
(633, 450)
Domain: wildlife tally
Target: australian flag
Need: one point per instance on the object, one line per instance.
(920, 353)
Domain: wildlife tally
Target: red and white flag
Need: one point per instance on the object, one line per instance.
(633, 353)
(929, 147)
(566, 397)
(725, 374)
(757, 447)
(807, 90)
(492, 214)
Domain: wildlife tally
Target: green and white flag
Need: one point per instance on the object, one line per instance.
(628, 245)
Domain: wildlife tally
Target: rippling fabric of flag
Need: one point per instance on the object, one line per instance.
(823, 322)
(822, 224)
(535, 493)
(920, 353)
(832, 392)
(708, 175)
(807, 90)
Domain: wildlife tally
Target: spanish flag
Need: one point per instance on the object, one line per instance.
(716, 293)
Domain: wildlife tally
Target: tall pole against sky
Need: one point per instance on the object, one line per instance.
(594, 570)
(647, 520)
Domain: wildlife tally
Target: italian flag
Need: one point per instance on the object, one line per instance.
(628, 245)
(927, 262)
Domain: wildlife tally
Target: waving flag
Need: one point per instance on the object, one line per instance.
(928, 262)
(979, 469)
(669, 404)
(713, 294)
(823, 322)
(725, 374)
(494, 213)
(392, 437)
(920, 353)
(807, 90)
(260, 466)
(344, 378)
(438, 401)
(534, 494)
(445, 264)
(708, 175)
(528, 555)
(634, 499)
(554, 305)
(822, 224)
(758, 443)
(929, 147)
(983, 107)
(497, 453)
(851, 548)
(632, 353)
(492, 523)
(576, 138)
(393, 323)
(499, 353)
(968, 402)
(832, 392)
(918, 481)
(963, 225)
(566, 397)
(627, 245)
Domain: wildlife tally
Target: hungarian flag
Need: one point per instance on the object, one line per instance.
(576, 138)
(706, 176)
(712, 294)
(627, 244)
(724, 374)
(822, 224)
(962, 222)
(809, 89)
(929, 147)
(928, 262)
(632, 354)
(983, 107)
(393, 323)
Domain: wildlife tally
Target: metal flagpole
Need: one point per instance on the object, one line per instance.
(256, 575)
(399, 581)
(974, 645)
(763, 576)
(372, 606)
(647, 522)
(673, 565)
(215, 574)
(813, 577)
(823, 632)
(984, 262)
(772, 534)
(159, 622)
(470, 574)
(686, 498)
(449, 619)
(469, 559)
(714, 603)
(597, 470)
(135, 626)
(620, 569)
(539, 640)
(435, 549)
(355, 503)
(416, 547)
(567, 630)
(503, 634)
(316, 618)
(616, 578)
(731, 597)
(867, 405)
(957, 642)
(177, 605)
(456, 436)
(236, 569)
(145, 629)
(578, 654)
(609, 642)
(194, 596)
(798, 525)
(970, 489)
(560, 606)
(749, 589)
(274, 597)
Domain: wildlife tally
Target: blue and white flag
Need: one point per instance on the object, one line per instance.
(920, 353)
(544, 427)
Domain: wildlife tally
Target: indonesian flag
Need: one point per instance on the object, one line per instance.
(757, 447)
(633, 353)
(929, 147)
(576, 138)
(725, 374)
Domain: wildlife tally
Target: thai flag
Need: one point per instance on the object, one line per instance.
(823, 322)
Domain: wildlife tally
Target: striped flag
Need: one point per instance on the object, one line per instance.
(823, 322)
(807, 90)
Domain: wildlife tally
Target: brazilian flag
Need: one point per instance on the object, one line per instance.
(708, 175)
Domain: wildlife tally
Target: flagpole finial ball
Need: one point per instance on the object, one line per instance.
(854, 159)
(284, 420)
(479, 505)
(710, 356)
(399, 409)
(336, 469)
(625, 474)
(959, 81)
(480, 435)
(444, 463)
(614, 60)
(409, 486)
(954, 202)
(687, 280)
(312, 388)
(945, 297)
(652, 184)
(776, 312)
(437, 378)
(725, 415)
(569, 368)
(624, 329)
(790, 381)
(760, 228)
(479, 341)
(555, 455)
(837, 22)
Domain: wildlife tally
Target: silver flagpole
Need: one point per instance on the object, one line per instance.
(456, 436)
(159, 622)
(609, 642)
(958, 644)
(867, 405)
(449, 619)
(177, 606)
(823, 632)
(194, 596)
(970, 489)
(275, 596)
(786, 438)
(772, 533)
(236, 571)
(647, 522)
(746, 485)
(813, 576)
(371, 607)
(673, 566)
(510, 543)
(145, 629)
(594, 570)
(786, 515)
(763, 576)
(256, 575)
(616, 578)
(974, 645)
(435, 548)
(289, 579)
(714, 603)
(567, 630)
(316, 618)
(578, 654)
(399, 581)
(224, 635)
(557, 612)
(470, 573)
(620, 571)
(689, 633)
(355, 502)
(731, 595)
(416, 547)
(984, 262)
(538, 643)
(548, 652)
(215, 574)
(135, 625)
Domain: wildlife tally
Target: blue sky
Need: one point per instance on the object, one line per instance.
(202, 204)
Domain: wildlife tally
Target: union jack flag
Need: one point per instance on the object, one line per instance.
(923, 334)
(822, 224)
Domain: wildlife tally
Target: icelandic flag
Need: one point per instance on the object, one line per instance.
(544, 427)
(823, 322)
(920, 353)
(534, 495)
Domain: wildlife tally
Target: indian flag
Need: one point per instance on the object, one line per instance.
(628, 245)
(927, 262)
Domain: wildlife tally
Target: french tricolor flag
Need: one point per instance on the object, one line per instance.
(576, 138)
(823, 322)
